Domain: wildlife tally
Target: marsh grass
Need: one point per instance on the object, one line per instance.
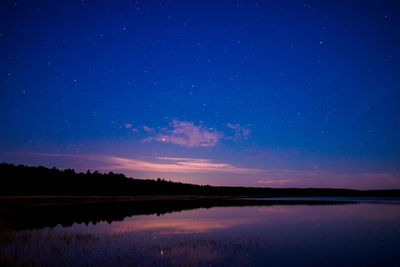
(65, 248)
(277, 236)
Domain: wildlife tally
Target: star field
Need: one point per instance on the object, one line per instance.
(255, 93)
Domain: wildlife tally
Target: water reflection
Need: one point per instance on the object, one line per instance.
(37, 213)
(300, 235)
(179, 224)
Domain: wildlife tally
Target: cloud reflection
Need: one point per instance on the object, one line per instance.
(182, 223)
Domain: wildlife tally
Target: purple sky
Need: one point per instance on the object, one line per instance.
(254, 93)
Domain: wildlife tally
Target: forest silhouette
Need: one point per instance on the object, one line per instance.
(18, 180)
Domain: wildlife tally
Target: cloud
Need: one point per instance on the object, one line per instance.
(186, 134)
(153, 164)
(206, 168)
(176, 165)
(128, 125)
(269, 182)
(148, 129)
(240, 131)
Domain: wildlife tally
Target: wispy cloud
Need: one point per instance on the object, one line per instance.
(151, 164)
(148, 129)
(129, 126)
(239, 131)
(314, 177)
(189, 134)
(169, 164)
(186, 134)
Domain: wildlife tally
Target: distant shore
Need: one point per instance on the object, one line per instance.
(20, 180)
(35, 212)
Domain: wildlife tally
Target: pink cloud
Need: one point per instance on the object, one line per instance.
(128, 125)
(187, 134)
(272, 177)
(275, 182)
(176, 165)
(203, 169)
(240, 131)
(148, 129)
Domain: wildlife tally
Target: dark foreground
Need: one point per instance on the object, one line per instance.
(50, 217)
(199, 231)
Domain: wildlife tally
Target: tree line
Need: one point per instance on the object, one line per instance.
(26, 180)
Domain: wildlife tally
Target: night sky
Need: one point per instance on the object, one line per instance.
(255, 93)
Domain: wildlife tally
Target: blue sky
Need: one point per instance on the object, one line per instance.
(258, 93)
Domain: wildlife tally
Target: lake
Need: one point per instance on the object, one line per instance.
(364, 233)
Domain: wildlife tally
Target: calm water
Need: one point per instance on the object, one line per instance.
(366, 234)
